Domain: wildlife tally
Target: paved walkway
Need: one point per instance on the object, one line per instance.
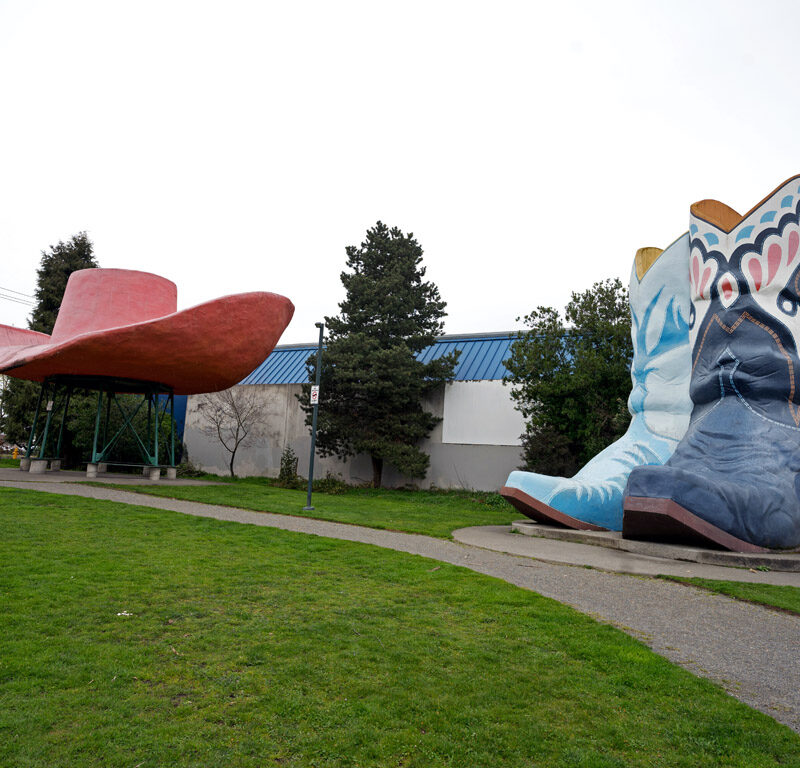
(749, 650)
(501, 538)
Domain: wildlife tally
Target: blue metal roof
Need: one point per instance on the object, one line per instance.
(482, 357)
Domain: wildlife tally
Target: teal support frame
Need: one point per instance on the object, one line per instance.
(56, 403)
(49, 407)
(63, 421)
(155, 429)
(56, 394)
(32, 436)
(147, 444)
(97, 423)
(172, 429)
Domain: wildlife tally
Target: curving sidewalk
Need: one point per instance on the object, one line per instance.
(749, 650)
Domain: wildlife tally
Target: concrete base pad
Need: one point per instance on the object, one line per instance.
(776, 561)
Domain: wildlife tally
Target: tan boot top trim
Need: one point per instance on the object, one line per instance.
(645, 258)
(723, 216)
(720, 215)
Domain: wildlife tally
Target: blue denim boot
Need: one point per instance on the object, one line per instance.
(659, 402)
(734, 480)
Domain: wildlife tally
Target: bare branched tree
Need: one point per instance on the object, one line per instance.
(234, 417)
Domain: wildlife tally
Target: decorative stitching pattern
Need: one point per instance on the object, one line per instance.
(794, 410)
(741, 397)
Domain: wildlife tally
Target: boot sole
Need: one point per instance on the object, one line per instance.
(542, 513)
(666, 520)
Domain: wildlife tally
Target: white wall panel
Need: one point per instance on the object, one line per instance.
(480, 413)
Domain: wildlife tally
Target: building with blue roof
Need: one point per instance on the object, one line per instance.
(481, 359)
(476, 444)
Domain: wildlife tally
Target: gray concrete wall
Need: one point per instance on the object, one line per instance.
(478, 467)
(282, 422)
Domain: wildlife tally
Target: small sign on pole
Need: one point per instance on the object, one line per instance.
(314, 394)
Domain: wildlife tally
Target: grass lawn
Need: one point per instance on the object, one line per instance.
(135, 637)
(7, 461)
(435, 513)
(785, 598)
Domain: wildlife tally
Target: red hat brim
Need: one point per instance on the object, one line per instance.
(206, 348)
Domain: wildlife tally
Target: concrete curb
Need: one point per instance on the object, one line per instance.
(500, 538)
(775, 561)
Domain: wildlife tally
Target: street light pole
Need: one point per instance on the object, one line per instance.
(315, 401)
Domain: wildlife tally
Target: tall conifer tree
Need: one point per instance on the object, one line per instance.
(57, 264)
(372, 383)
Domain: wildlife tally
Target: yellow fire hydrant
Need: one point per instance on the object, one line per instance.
(15, 454)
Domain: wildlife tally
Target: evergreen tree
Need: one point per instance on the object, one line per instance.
(56, 266)
(19, 396)
(571, 378)
(372, 385)
(16, 409)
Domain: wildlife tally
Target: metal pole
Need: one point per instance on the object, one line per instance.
(308, 507)
(97, 425)
(108, 421)
(63, 420)
(155, 428)
(35, 422)
(149, 411)
(49, 405)
(172, 428)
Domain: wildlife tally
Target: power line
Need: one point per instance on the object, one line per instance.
(19, 293)
(15, 300)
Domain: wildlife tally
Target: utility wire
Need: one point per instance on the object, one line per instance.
(15, 300)
(19, 293)
(3, 292)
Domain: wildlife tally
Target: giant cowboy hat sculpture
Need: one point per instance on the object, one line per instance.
(124, 324)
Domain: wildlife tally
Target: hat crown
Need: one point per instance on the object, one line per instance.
(97, 299)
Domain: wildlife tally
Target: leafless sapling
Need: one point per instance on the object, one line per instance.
(233, 417)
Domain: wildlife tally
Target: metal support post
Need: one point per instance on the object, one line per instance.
(63, 421)
(35, 422)
(172, 429)
(154, 395)
(49, 406)
(315, 400)
(97, 425)
(109, 395)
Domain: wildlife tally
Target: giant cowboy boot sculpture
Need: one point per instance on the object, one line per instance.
(733, 480)
(659, 402)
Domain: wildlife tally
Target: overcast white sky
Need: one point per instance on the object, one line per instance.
(530, 147)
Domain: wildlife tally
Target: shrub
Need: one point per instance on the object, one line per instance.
(287, 476)
(331, 484)
(187, 469)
